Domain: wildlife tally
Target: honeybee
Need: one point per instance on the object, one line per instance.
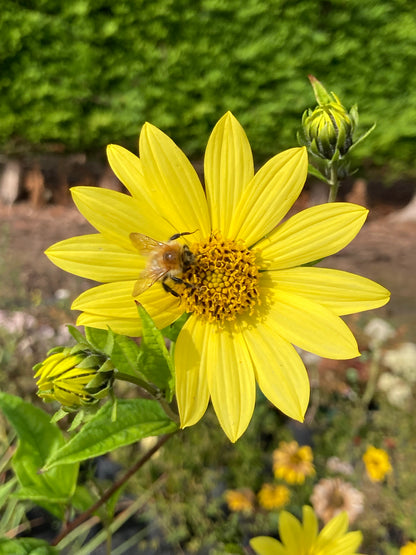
(165, 261)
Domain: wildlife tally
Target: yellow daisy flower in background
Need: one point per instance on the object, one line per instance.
(292, 463)
(240, 500)
(377, 463)
(272, 496)
(303, 539)
(249, 295)
(408, 549)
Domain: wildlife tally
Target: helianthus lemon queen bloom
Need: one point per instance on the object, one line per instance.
(303, 539)
(248, 295)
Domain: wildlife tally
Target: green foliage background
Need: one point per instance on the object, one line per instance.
(84, 73)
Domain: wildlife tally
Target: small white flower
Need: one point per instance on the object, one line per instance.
(379, 331)
(402, 361)
(335, 464)
(397, 391)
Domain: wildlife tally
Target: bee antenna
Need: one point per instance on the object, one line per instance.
(177, 235)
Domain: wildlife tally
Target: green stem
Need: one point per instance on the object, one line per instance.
(154, 392)
(372, 379)
(108, 541)
(333, 184)
(169, 412)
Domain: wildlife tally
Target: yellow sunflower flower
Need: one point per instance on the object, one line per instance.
(249, 295)
(240, 500)
(292, 463)
(303, 539)
(377, 463)
(273, 496)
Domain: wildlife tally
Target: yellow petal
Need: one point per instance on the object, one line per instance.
(116, 215)
(310, 525)
(264, 545)
(95, 257)
(190, 366)
(290, 531)
(269, 195)
(124, 326)
(127, 167)
(231, 379)
(280, 372)
(348, 544)
(228, 168)
(336, 528)
(105, 303)
(173, 182)
(310, 326)
(312, 234)
(341, 292)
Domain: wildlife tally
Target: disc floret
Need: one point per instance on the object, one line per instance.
(223, 280)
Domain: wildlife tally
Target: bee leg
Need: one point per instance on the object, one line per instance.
(182, 282)
(169, 289)
(179, 280)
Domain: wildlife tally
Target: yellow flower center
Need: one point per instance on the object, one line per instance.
(222, 281)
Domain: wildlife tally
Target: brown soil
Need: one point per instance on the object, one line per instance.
(384, 251)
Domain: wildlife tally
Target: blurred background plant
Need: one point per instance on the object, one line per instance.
(76, 76)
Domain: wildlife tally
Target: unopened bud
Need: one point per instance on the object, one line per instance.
(327, 131)
(74, 377)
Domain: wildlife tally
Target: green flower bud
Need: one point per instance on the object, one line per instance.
(327, 131)
(74, 377)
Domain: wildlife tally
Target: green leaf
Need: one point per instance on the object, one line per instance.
(100, 340)
(316, 173)
(38, 439)
(76, 334)
(6, 489)
(362, 138)
(136, 419)
(155, 361)
(172, 331)
(26, 546)
(39, 496)
(125, 356)
(123, 352)
(82, 498)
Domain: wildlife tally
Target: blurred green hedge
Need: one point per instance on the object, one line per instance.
(78, 75)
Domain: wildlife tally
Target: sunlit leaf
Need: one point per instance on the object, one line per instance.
(125, 356)
(101, 340)
(172, 331)
(136, 419)
(155, 361)
(38, 439)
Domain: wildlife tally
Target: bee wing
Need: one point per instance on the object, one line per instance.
(146, 280)
(143, 243)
